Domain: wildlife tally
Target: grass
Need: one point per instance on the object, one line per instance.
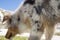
(58, 33)
(15, 38)
(2, 38)
(19, 38)
(22, 38)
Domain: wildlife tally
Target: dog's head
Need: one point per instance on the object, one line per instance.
(13, 22)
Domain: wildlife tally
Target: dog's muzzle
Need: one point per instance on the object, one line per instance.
(11, 32)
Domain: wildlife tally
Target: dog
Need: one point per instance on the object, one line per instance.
(36, 16)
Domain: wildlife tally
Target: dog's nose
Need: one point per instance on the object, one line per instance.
(9, 36)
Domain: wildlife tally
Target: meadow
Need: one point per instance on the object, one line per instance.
(15, 38)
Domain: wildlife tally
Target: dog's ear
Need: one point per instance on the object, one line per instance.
(6, 18)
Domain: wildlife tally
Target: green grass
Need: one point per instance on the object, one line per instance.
(19, 38)
(2, 38)
(58, 34)
(15, 38)
(22, 38)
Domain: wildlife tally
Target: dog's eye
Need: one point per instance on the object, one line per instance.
(10, 20)
(18, 19)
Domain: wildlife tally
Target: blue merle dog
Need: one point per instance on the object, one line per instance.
(35, 16)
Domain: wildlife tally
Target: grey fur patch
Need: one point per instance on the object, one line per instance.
(58, 6)
(36, 21)
(38, 9)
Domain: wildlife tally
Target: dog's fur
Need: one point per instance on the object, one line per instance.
(36, 15)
